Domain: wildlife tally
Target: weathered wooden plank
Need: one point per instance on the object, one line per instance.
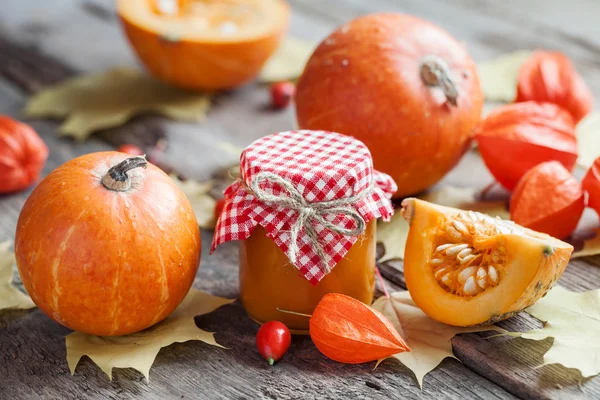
(62, 150)
(33, 362)
(31, 71)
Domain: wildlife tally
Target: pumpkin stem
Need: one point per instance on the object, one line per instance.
(117, 179)
(435, 72)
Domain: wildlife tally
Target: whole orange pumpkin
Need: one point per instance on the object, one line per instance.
(107, 244)
(22, 155)
(403, 86)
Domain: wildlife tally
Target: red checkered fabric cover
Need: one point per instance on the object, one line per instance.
(322, 166)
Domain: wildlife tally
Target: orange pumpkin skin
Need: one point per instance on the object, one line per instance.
(106, 262)
(364, 80)
(203, 64)
(22, 155)
(549, 76)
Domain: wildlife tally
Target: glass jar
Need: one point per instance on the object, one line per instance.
(269, 281)
(304, 210)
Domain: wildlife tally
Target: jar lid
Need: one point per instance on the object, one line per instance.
(312, 191)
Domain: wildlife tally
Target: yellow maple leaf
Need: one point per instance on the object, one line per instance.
(428, 339)
(393, 234)
(287, 63)
(573, 320)
(10, 296)
(588, 139)
(111, 98)
(499, 76)
(139, 350)
(200, 199)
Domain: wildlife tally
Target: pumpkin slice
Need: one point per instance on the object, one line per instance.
(202, 44)
(465, 268)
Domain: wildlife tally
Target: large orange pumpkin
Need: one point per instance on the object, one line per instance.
(403, 86)
(107, 247)
(204, 44)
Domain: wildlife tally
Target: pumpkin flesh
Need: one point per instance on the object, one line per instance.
(519, 265)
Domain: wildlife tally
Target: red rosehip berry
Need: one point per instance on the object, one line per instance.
(282, 94)
(273, 340)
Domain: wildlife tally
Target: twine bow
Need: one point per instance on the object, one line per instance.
(310, 212)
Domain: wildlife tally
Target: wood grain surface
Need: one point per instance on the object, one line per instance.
(43, 42)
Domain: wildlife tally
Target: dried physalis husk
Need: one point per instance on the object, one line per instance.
(548, 199)
(549, 76)
(514, 138)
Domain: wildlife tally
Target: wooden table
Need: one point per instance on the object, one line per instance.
(43, 42)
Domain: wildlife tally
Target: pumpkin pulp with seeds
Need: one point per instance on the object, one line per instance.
(466, 268)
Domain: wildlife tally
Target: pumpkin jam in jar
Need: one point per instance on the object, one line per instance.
(269, 281)
(305, 211)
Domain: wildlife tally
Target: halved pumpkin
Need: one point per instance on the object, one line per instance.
(465, 268)
(200, 44)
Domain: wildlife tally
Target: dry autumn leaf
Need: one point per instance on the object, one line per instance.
(288, 61)
(111, 98)
(428, 339)
(10, 296)
(139, 350)
(588, 139)
(499, 76)
(202, 203)
(573, 320)
(393, 234)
